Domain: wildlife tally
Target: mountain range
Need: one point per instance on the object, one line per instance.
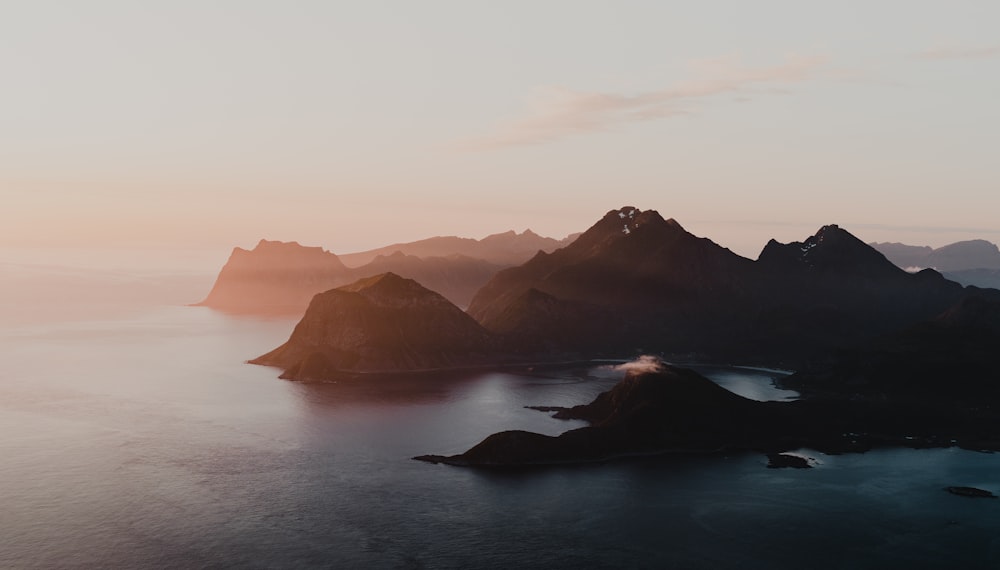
(958, 256)
(280, 278)
(635, 282)
(972, 262)
(884, 356)
(508, 248)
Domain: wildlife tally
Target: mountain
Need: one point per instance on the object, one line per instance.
(274, 278)
(508, 248)
(635, 281)
(633, 272)
(833, 290)
(958, 256)
(384, 323)
(280, 278)
(658, 409)
(904, 256)
(831, 252)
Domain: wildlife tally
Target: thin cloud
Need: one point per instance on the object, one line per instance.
(559, 113)
(645, 363)
(981, 52)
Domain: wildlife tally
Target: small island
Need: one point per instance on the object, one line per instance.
(971, 492)
(663, 409)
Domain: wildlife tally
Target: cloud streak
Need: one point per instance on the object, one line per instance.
(980, 52)
(560, 113)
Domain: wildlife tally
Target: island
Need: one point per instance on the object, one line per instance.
(665, 409)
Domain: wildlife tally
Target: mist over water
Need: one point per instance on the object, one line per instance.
(140, 438)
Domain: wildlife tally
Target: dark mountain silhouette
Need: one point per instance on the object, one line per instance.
(645, 283)
(833, 290)
(274, 278)
(958, 256)
(383, 323)
(675, 410)
(639, 276)
(508, 248)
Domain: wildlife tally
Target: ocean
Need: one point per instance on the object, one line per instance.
(143, 439)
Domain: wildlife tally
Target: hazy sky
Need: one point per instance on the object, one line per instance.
(355, 124)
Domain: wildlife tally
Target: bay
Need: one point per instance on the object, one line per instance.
(145, 440)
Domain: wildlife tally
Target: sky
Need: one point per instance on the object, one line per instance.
(211, 124)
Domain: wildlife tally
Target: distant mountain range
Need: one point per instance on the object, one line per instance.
(508, 248)
(959, 256)
(973, 262)
(280, 278)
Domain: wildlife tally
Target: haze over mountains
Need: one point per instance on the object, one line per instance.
(508, 248)
(872, 342)
(635, 282)
(972, 262)
(280, 278)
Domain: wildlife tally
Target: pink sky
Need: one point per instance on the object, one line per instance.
(181, 126)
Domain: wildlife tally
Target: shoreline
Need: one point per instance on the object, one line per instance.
(531, 366)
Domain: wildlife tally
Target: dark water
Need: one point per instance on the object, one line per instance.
(146, 442)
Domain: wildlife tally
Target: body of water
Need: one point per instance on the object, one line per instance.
(146, 441)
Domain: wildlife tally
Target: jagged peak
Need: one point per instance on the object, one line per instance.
(275, 245)
(396, 255)
(830, 246)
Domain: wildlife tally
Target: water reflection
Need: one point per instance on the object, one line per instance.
(385, 389)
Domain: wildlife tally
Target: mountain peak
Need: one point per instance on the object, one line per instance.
(381, 323)
(388, 283)
(832, 248)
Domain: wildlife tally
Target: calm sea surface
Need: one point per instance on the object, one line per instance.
(146, 441)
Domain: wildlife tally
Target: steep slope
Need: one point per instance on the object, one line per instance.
(637, 281)
(831, 252)
(834, 290)
(383, 323)
(633, 264)
(274, 278)
(508, 248)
